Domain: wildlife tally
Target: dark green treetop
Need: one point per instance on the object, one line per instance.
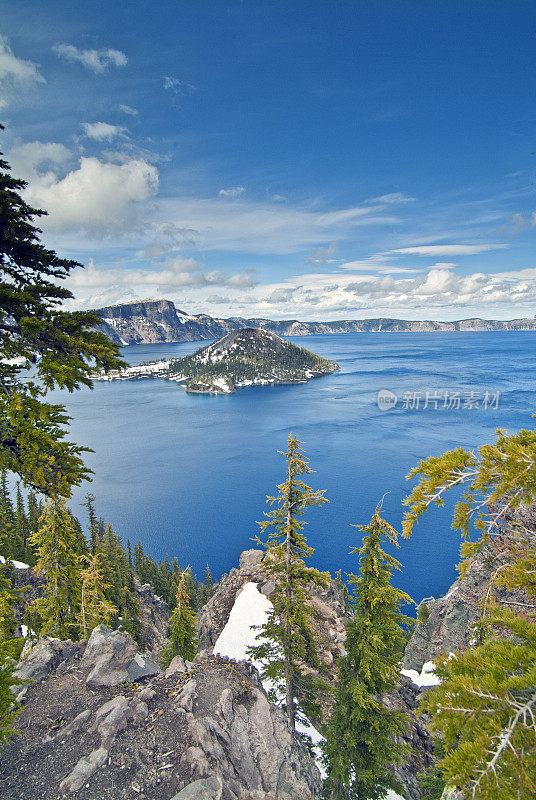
(360, 741)
(286, 640)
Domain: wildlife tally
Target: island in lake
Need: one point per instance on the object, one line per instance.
(246, 357)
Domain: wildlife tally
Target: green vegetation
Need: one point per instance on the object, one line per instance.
(486, 703)
(165, 579)
(60, 349)
(94, 608)
(423, 613)
(273, 358)
(361, 739)
(87, 581)
(182, 630)
(286, 640)
(57, 543)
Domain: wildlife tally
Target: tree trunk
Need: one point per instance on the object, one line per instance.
(289, 679)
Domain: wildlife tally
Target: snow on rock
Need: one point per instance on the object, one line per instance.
(426, 677)
(250, 610)
(16, 564)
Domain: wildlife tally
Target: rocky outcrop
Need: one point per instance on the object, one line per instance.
(150, 321)
(449, 621)
(203, 730)
(108, 654)
(328, 619)
(39, 658)
(204, 789)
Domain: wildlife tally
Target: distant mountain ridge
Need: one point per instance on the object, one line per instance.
(154, 321)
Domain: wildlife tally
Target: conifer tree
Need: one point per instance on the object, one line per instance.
(360, 740)
(22, 530)
(7, 520)
(286, 640)
(9, 625)
(8, 706)
(485, 705)
(62, 348)
(57, 544)
(10, 649)
(93, 524)
(94, 608)
(182, 630)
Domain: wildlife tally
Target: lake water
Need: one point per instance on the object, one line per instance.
(188, 474)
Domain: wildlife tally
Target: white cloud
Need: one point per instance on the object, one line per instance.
(519, 223)
(15, 73)
(233, 192)
(449, 249)
(438, 294)
(132, 112)
(323, 255)
(32, 158)
(98, 197)
(16, 70)
(178, 274)
(177, 87)
(393, 197)
(102, 131)
(264, 227)
(97, 61)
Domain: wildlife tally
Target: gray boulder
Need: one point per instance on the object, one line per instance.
(176, 667)
(84, 769)
(41, 657)
(204, 789)
(142, 666)
(108, 654)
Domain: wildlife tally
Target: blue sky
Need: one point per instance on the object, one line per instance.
(314, 160)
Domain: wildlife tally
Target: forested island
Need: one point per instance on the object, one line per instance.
(247, 357)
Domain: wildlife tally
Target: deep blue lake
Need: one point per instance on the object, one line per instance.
(188, 474)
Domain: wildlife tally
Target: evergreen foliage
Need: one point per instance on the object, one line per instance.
(286, 641)
(499, 478)
(182, 629)
(9, 650)
(94, 608)
(58, 547)
(283, 362)
(165, 578)
(485, 706)
(361, 736)
(8, 705)
(60, 347)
